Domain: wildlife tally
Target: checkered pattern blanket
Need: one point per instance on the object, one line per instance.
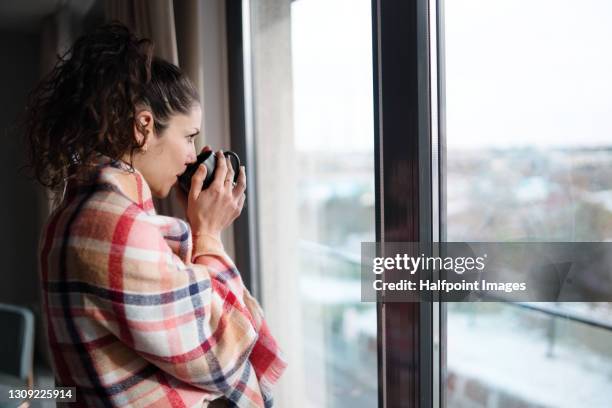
(132, 321)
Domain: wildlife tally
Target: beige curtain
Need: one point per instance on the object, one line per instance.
(173, 27)
(55, 39)
(56, 36)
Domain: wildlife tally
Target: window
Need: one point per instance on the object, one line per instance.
(488, 121)
(528, 108)
(312, 124)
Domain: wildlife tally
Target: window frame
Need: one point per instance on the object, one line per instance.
(241, 136)
(403, 134)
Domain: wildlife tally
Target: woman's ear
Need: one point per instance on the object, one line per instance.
(143, 126)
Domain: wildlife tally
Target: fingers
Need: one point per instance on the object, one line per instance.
(229, 178)
(206, 148)
(220, 172)
(240, 183)
(196, 182)
(241, 201)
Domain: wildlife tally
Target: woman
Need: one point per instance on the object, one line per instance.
(141, 310)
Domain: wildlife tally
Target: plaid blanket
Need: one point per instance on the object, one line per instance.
(131, 320)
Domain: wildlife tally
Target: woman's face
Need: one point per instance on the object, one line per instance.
(166, 156)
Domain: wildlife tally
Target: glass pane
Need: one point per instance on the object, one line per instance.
(313, 123)
(529, 158)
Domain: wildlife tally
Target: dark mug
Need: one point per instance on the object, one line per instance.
(209, 159)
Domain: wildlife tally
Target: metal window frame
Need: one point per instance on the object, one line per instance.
(403, 150)
(442, 174)
(242, 140)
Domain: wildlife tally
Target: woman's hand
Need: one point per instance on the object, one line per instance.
(212, 210)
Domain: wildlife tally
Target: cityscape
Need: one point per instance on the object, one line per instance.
(492, 195)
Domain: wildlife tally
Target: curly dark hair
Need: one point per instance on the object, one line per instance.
(87, 104)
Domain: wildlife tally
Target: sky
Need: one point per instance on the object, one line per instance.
(528, 72)
(518, 73)
(332, 75)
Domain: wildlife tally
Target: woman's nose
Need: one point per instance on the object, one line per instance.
(192, 157)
